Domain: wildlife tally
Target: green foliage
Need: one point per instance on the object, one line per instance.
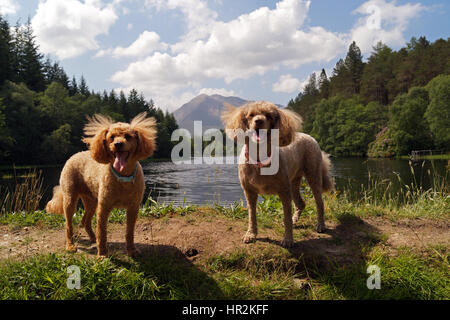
(6, 141)
(355, 66)
(377, 74)
(57, 145)
(438, 111)
(345, 126)
(347, 112)
(383, 145)
(5, 51)
(324, 85)
(409, 130)
(22, 121)
(42, 112)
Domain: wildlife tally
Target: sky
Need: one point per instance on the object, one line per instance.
(173, 50)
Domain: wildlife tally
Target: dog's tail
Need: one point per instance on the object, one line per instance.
(56, 204)
(327, 179)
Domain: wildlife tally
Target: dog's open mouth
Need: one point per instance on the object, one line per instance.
(120, 160)
(258, 135)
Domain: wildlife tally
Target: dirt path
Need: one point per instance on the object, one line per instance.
(200, 236)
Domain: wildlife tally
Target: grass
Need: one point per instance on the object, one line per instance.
(428, 157)
(24, 197)
(159, 276)
(406, 276)
(270, 274)
(259, 271)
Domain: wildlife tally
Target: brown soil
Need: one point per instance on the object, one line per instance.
(201, 235)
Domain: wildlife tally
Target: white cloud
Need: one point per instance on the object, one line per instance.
(145, 44)
(249, 45)
(383, 21)
(287, 84)
(8, 7)
(69, 28)
(198, 17)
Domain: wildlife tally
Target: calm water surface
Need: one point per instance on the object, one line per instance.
(208, 184)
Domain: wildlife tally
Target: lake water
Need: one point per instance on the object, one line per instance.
(208, 184)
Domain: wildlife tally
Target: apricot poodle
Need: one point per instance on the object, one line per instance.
(299, 156)
(105, 177)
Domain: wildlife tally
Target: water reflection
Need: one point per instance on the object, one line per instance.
(219, 183)
(192, 183)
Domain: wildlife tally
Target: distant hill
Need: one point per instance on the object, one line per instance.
(206, 109)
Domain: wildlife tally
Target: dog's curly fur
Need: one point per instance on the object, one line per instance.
(299, 156)
(88, 175)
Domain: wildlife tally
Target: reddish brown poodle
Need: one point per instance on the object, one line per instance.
(299, 156)
(106, 177)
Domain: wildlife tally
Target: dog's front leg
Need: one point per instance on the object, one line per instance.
(286, 200)
(102, 224)
(252, 198)
(132, 214)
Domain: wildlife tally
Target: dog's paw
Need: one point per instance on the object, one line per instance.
(71, 248)
(249, 237)
(102, 253)
(287, 243)
(320, 228)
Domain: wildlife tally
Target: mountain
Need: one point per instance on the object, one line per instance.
(204, 108)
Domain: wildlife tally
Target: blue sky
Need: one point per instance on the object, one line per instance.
(173, 50)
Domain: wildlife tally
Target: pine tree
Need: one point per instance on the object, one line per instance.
(324, 85)
(377, 74)
(311, 87)
(123, 104)
(84, 89)
(5, 51)
(73, 87)
(340, 81)
(113, 102)
(16, 54)
(54, 73)
(354, 65)
(31, 66)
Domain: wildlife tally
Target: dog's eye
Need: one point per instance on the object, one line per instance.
(111, 138)
(251, 115)
(127, 136)
(269, 116)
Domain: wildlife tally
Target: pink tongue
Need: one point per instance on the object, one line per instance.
(120, 161)
(255, 136)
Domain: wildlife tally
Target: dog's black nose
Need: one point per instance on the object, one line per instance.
(259, 122)
(118, 144)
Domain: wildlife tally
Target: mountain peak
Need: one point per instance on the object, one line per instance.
(205, 108)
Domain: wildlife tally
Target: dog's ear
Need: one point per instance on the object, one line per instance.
(288, 122)
(95, 137)
(145, 134)
(234, 119)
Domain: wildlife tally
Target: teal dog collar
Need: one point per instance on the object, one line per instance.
(123, 178)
